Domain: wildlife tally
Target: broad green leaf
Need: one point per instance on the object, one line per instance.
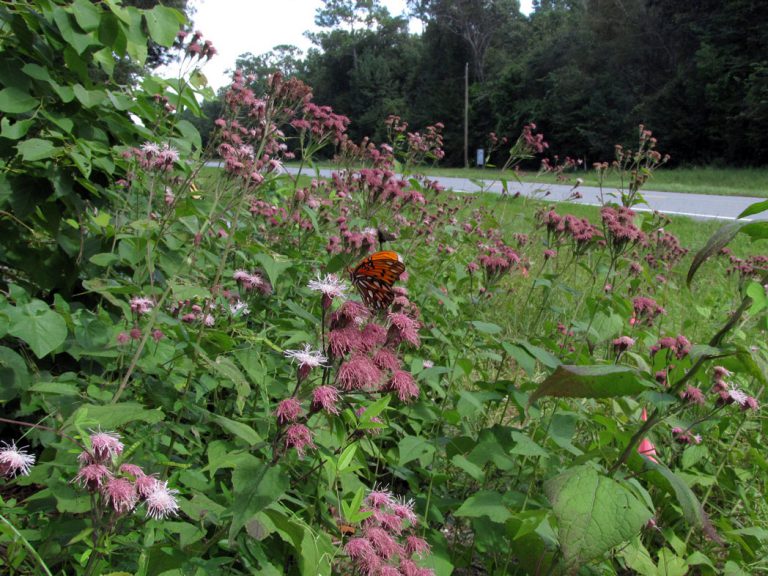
(713, 246)
(273, 268)
(15, 131)
(525, 446)
(755, 230)
(256, 485)
(346, 457)
(546, 358)
(35, 149)
(314, 550)
(40, 327)
(412, 448)
(16, 101)
(523, 358)
(594, 514)
(755, 208)
(662, 477)
(14, 376)
(242, 431)
(485, 503)
(598, 381)
(113, 416)
(460, 461)
(88, 17)
(486, 327)
(163, 24)
(756, 291)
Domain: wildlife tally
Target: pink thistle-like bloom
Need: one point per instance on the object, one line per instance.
(132, 470)
(300, 437)
(371, 336)
(106, 445)
(363, 553)
(343, 341)
(427, 364)
(623, 343)
(388, 570)
(141, 305)
(120, 494)
(92, 477)
(161, 502)
(385, 359)
(157, 335)
(145, 485)
(416, 545)
(405, 385)
(135, 333)
(404, 509)
(327, 398)
(720, 372)
(693, 395)
(751, 404)
(307, 358)
(359, 373)
(406, 327)
(288, 410)
(386, 546)
(123, 338)
(15, 460)
(380, 498)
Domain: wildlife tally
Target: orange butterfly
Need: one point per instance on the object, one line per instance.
(374, 277)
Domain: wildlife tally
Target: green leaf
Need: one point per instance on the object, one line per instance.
(35, 149)
(486, 327)
(14, 376)
(755, 208)
(713, 246)
(88, 17)
(475, 471)
(88, 98)
(104, 259)
(313, 549)
(525, 446)
(599, 381)
(242, 431)
(163, 24)
(113, 416)
(412, 448)
(16, 130)
(525, 360)
(662, 477)
(16, 101)
(40, 327)
(594, 514)
(546, 358)
(273, 268)
(485, 503)
(256, 486)
(756, 291)
(346, 457)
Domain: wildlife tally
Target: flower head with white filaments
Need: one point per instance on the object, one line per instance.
(14, 460)
(331, 286)
(307, 357)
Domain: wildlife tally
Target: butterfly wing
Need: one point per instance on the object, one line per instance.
(374, 277)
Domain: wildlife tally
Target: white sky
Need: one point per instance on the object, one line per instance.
(239, 26)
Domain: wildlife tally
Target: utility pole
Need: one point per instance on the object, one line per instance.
(466, 115)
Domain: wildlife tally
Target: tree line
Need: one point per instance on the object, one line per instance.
(586, 71)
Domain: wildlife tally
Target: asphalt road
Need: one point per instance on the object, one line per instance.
(696, 206)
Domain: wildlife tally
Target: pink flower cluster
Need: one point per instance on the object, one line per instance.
(195, 48)
(122, 487)
(369, 350)
(621, 232)
(680, 346)
(646, 310)
(153, 157)
(498, 260)
(751, 267)
(727, 393)
(321, 123)
(664, 250)
(682, 436)
(533, 142)
(388, 545)
(579, 231)
(250, 281)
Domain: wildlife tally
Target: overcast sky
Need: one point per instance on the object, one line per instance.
(239, 26)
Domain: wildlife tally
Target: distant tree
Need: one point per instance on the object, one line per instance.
(284, 58)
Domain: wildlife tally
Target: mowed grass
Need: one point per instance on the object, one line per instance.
(704, 180)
